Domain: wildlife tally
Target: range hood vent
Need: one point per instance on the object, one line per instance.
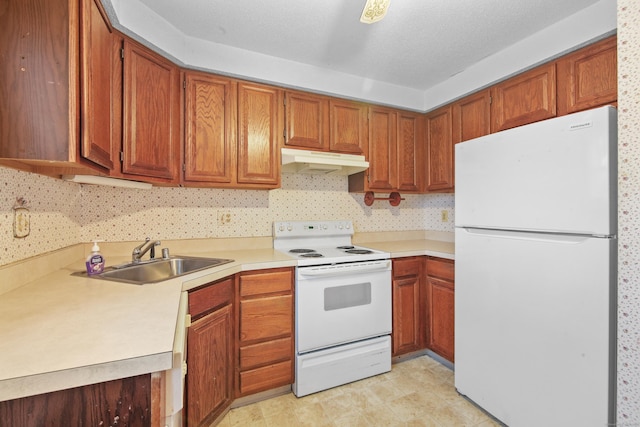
(321, 162)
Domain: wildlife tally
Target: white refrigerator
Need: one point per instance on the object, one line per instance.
(536, 252)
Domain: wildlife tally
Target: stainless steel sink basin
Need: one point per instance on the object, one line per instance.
(159, 270)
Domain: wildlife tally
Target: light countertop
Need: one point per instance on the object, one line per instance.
(63, 330)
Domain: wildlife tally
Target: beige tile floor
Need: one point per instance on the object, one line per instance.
(417, 392)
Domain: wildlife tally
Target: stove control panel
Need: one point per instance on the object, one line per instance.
(312, 228)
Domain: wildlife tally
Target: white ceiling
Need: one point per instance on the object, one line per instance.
(419, 44)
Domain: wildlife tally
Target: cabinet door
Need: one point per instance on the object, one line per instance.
(441, 319)
(306, 121)
(410, 151)
(382, 149)
(99, 144)
(439, 150)
(38, 85)
(408, 306)
(151, 114)
(210, 366)
(441, 303)
(260, 127)
(209, 120)
(472, 117)
(348, 121)
(588, 78)
(126, 402)
(526, 98)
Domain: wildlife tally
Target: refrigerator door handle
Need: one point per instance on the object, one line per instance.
(571, 239)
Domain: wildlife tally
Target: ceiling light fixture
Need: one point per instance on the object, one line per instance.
(374, 11)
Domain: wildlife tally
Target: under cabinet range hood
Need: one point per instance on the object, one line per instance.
(321, 162)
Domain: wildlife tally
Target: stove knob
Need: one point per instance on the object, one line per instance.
(281, 228)
(289, 227)
(348, 226)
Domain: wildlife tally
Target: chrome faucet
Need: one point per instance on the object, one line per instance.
(143, 248)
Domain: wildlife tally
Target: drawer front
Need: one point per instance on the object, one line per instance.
(266, 353)
(267, 377)
(407, 266)
(209, 297)
(266, 283)
(439, 267)
(264, 318)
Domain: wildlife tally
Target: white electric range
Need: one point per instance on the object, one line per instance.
(343, 304)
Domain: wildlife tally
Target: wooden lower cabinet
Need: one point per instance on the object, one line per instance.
(210, 352)
(265, 330)
(123, 402)
(440, 300)
(408, 333)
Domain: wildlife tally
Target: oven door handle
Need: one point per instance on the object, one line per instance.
(344, 269)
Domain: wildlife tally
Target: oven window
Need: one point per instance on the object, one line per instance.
(347, 296)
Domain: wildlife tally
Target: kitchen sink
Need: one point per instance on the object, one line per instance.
(159, 270)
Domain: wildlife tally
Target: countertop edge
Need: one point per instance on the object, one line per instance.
(15, 388)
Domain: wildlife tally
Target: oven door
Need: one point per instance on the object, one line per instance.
(342, 303)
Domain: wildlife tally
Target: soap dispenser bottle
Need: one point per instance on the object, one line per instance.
(95, 260)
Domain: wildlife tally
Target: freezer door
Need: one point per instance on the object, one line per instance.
(534, 327)
(556, 175)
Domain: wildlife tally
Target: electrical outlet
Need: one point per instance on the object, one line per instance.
(445, 216)
(224, 217)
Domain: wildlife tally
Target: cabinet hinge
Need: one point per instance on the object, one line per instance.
(184, 84)
(490, 100)
(284, 134)
(184, 167)
(121, 53)
(122, 156)
(284, 101)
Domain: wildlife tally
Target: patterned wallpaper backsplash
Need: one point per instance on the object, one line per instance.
(65, 213)
(628, 407)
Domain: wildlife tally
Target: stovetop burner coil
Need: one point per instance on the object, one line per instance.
(359, 251)
(301, 251)
(311, 255)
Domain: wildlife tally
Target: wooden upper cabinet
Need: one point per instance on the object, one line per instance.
(382, 149)
(526, 98)
(472, 117)
(306, 121)
(99, 141)
(39, 68)
(260, 127)
(411, 144)
(439, 150)
(209, 120)
(348, 126)
(151, 115)
(588, 78)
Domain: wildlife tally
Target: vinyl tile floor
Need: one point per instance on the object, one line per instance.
(417, 392)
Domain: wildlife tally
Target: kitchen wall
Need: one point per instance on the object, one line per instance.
(64, 213)
(629, 213)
